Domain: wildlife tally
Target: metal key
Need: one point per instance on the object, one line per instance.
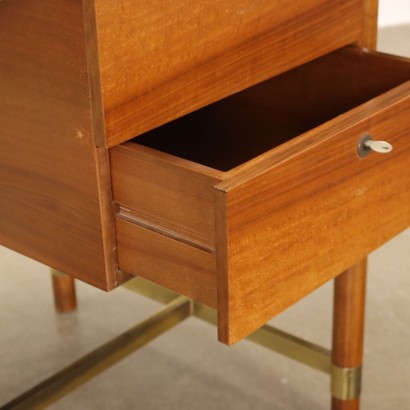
(382, 147)
(367, 145)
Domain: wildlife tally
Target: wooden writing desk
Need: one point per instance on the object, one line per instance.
(246, 203)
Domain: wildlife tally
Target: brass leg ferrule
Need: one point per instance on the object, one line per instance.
(346, 382)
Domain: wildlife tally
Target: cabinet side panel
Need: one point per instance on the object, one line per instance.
(49, 178)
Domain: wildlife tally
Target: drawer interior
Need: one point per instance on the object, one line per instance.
(234, 130)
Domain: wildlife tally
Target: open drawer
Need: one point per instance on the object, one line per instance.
(253, 202)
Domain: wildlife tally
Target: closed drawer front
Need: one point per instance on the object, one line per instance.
(160, 60)
(262, 197)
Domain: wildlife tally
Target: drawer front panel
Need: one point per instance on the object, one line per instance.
(309, 211)
(159, 61)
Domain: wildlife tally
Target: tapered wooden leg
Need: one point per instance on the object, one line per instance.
(348, 331)
(64, 291)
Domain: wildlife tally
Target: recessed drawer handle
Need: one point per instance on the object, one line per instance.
(367, 145)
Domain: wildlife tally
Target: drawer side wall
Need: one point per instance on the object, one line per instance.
(165, 193)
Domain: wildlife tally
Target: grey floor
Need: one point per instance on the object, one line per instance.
(187, 368)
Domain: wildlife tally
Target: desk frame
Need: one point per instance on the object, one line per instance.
(342, 364)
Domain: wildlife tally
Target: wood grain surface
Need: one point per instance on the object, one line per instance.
(309, 210)
(348, 317)
(166, 261)
(165, 193)
(55, 186)
(369, 24)
(160, 61)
